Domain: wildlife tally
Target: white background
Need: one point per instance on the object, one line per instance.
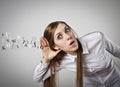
(29, 18)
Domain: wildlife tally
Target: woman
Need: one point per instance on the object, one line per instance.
(89, 56)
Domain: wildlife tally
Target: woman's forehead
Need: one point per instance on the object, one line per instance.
(60, 28)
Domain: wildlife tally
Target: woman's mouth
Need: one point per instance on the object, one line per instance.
(72, 43)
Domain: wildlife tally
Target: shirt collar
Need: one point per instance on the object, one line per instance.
(85, 50)
(84, 46)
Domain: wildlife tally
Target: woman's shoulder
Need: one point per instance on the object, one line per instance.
(92, 35)
(92, 39)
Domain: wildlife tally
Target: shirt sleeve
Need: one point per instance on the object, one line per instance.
(39, 72)
(110, 46)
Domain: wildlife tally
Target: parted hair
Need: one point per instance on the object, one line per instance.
(49, 35)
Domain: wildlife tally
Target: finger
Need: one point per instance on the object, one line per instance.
(43, 42)
(41, 45)
(47, 44)
(58, 51)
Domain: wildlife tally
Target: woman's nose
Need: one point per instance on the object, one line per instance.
(68, 37)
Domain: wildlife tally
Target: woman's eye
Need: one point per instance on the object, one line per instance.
(59, 37)
(67, 30)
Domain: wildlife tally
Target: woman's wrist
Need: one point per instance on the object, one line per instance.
(45, 60)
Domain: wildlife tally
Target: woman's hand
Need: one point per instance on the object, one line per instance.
(48, 54)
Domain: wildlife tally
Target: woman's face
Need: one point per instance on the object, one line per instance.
(64, 39)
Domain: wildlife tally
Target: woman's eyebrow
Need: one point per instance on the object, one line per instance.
(65, 27)
(59, 32)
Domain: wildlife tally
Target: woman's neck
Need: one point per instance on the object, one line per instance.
(72, 53)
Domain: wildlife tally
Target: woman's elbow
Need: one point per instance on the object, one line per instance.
(37, 79)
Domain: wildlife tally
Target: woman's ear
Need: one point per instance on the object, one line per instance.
(56, 47)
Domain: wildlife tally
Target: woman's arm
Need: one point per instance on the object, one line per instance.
(39, 72)
(110, 46)
(42, 70)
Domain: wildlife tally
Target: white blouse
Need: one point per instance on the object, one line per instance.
(98, 65)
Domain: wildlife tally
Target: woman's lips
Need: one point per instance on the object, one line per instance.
(72, 43)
